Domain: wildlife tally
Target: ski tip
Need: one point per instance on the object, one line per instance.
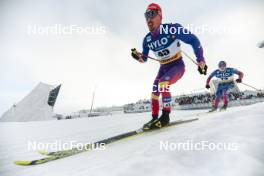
(22, 163)
(43, 152)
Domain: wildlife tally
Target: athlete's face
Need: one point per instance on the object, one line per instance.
(222, 68)
(154, 22)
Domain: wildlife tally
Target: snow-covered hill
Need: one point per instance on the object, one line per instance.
(240, 127)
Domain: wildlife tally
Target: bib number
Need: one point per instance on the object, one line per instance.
(163, 53)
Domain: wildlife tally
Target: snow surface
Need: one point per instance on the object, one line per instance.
(33, 107)
(141, 155)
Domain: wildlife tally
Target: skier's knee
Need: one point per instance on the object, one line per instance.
(164, 86)
(154, 96)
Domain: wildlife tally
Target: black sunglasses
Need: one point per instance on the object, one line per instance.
(151, 13)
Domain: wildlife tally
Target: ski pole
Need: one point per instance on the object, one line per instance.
(181, 51)
(250, 86)
(189, 57)
(147, 56)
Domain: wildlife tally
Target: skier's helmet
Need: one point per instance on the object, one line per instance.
(153, 10)
(222, 65)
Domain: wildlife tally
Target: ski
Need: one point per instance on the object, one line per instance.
(208, 112)
(51, 156)
(116, 138)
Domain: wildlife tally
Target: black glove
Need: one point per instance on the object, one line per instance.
(207, 86)
(203, 71)
(134, 53)
(238, 80)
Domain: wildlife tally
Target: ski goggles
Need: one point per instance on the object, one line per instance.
(222, 67)
(151, 14)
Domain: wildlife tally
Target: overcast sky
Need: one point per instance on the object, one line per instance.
(81, 62)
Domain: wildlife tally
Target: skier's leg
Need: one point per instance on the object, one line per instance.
(155, 99)
(157, 89)
(217, 101)
(218, 96)
(168, 74)
(225, 98)
(154, 104)
(225, 94)
(169, 78)
(166, 101)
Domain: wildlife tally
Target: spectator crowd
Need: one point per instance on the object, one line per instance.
(208, 98)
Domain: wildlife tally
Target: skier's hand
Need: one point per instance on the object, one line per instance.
(207, 86)
(202, 68)
(238, 80)
(136, 55)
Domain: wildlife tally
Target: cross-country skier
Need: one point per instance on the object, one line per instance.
(165, 45)
(225, 76)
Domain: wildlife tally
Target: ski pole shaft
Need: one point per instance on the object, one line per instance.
(250, 86)
(189, 57)
(148, 56)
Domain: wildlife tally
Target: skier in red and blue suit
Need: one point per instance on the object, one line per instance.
(164, 40)
(225, 76)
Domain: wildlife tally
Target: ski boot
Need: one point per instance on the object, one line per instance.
(213, 109)
(223, 108)
(162, 121)
(148, 124)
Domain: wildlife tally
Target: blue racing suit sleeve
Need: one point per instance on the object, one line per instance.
(145, 51)
(187, 37)
(239, 73)
(210, 77)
